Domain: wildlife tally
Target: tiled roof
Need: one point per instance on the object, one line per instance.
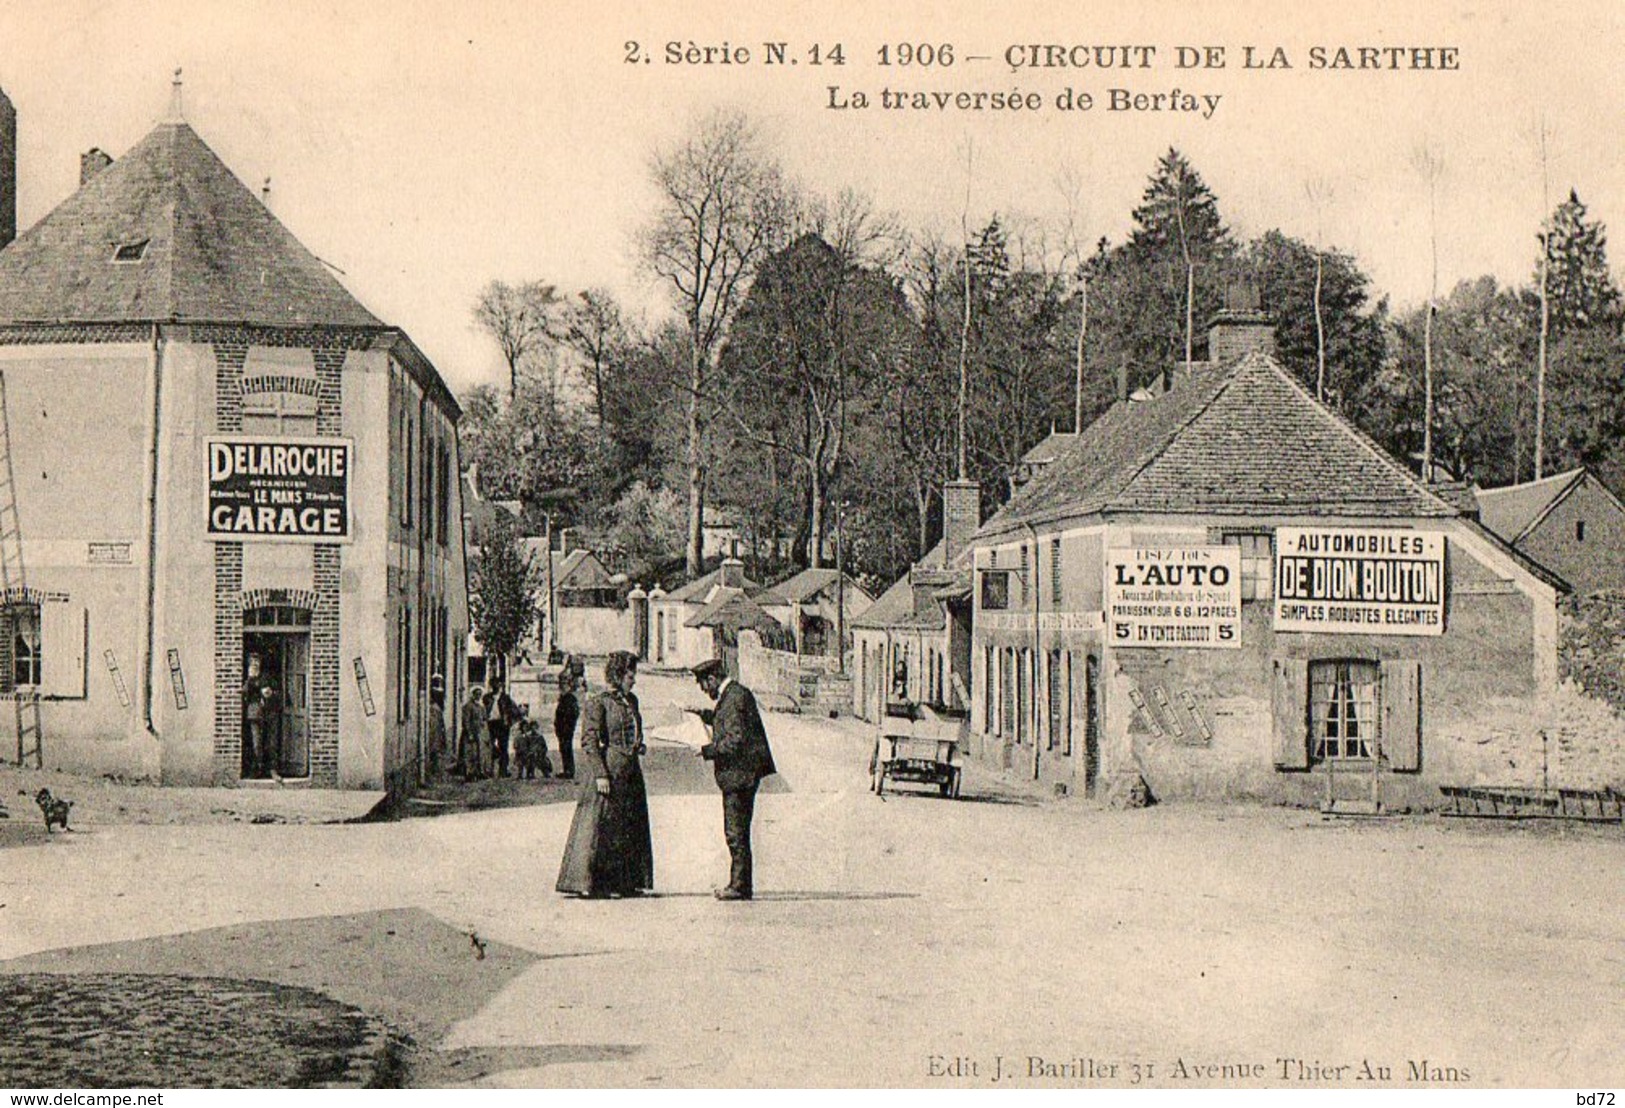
(730, 608)
(212, 253)
(1512, 511)
(696, 590)
(1049, 448)
(899, 608)
(806, 585)
(1243, 438)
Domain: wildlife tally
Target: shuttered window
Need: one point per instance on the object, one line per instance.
(1343, 709)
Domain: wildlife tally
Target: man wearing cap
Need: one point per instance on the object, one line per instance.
(740, 757)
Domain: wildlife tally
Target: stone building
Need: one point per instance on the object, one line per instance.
(1227, 590)
(1571, 523)
(235, 490)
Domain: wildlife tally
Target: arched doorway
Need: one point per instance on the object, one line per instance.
(276, 692)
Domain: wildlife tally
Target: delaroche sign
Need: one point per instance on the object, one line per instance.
(269, 489)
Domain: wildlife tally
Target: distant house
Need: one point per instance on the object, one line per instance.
(809, 605)
(676, 641)
(1572, 524)
(583, 599)
(913, 643)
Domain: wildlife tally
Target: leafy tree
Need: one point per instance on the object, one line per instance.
(812, 337)
(1587, 402)
(1482, 343)
(503, 585)
(645, 526)
(1179, 236)
(1285, 272)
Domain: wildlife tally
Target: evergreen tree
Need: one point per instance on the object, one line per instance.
(1580, 286)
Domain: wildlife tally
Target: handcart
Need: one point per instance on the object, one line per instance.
(917, 743)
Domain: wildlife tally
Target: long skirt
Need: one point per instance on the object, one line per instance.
(610, 850)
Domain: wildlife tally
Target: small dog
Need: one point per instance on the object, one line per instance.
(55, 810)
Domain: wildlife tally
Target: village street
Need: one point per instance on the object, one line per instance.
(908, 940)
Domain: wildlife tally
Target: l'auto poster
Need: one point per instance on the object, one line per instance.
(1368, 581)
(279, 489)
(1174, 596)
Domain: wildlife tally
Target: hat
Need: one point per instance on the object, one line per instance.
(711, 667)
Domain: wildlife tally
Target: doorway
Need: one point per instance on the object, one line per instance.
(276, 692)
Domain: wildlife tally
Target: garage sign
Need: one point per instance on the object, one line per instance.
(264, 489)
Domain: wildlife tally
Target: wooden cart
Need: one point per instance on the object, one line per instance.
(919, 744)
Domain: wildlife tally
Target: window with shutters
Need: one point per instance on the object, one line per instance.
(42, 648)
(995, 590)
(1343, 709)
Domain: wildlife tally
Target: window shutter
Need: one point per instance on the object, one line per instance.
(1290, 700)
(63, 635)
(1402, 714)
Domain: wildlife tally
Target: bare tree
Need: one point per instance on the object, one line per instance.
(521, 320)
(1319, 192)
(596, 329)
(1542, 140)
(722, 208)
(1431, 168)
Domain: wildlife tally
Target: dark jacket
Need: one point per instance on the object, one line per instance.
(565, 716)
(738, 749)
(612, 736)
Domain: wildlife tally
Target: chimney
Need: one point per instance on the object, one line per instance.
(1241, 327)
(8, 170)
(961, 516)
(92, 162)
(732, 575)
(1233, 334)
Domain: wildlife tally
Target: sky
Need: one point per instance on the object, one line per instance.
(423, 149)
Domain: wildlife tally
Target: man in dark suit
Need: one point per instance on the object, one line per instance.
(740, 757)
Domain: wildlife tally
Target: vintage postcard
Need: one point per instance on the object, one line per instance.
(903, 546)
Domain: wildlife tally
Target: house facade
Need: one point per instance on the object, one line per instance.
(241, 552)
(1571, 523)
(914, 643)
(814, 605)
(680, 633)
(1226, 590)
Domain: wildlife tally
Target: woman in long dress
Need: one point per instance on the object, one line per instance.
(609, 852)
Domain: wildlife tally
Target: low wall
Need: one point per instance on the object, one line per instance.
(813, 683)
(594, 631)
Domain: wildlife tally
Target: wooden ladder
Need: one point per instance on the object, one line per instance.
(14, 582)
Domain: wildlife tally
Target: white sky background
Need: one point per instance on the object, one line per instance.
(425, 148)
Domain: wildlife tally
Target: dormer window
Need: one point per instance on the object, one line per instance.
(130, 251)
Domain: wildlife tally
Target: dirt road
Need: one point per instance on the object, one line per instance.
(901, 941)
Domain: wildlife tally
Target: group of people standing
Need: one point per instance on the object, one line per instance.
(610, 849)
(497, 730)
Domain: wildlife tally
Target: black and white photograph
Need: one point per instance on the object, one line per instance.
(891, 546)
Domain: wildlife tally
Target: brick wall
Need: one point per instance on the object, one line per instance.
(228, 583)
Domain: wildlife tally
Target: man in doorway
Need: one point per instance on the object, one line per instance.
(739, 755)
(259, 720)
